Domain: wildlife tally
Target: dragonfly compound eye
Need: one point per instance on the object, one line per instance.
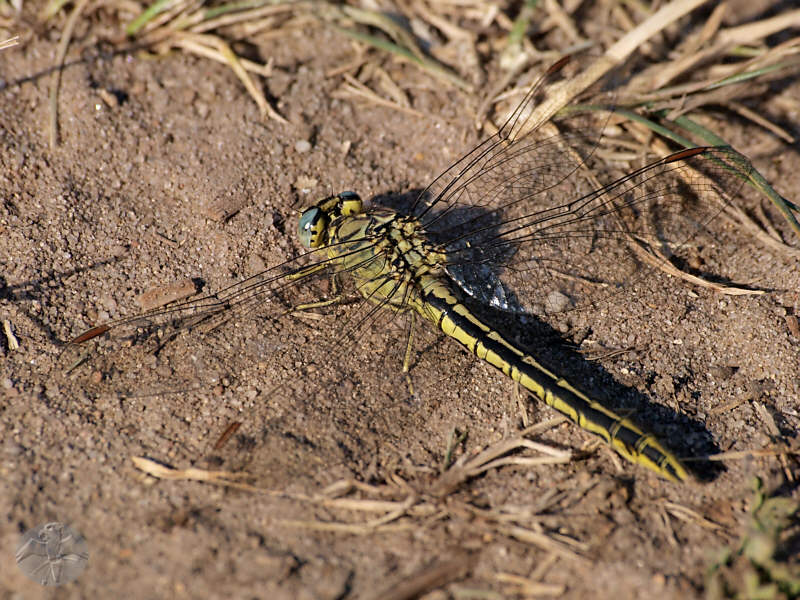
(313, 223)
(350, 204)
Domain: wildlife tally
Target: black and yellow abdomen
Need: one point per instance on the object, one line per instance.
(452, 317)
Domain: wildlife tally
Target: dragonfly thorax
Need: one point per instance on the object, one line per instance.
(388, 255)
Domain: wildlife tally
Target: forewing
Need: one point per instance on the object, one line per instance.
(528, 155)
(583, 239)
(191, 344)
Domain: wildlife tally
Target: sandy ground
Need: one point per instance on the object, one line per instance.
(150, 149)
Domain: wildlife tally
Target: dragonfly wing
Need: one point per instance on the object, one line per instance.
(584, 239)
(526, 154)
(186, 344)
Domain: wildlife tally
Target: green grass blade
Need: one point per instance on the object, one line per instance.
(756, 179)
(748, 75)
(435, 68)
(150, 13)
(786, 208)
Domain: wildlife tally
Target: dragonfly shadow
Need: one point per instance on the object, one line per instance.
(687, 437)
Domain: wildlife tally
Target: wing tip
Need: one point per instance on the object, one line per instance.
(89, 334)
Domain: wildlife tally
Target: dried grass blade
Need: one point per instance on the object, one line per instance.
(61, 54)
(410, 51)
(217, 49)
(564, 92)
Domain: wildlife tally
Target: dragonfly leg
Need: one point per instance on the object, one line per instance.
(337, 299)
(409, 344)
(407, 354)
(311, 305)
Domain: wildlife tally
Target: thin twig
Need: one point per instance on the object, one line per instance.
(61, 54)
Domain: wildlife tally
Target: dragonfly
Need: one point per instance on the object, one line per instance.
(519, 222)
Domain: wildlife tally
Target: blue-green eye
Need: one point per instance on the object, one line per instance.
(310, 227)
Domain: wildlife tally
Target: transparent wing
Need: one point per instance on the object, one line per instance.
(585, 244)
(328, 380)
(532, 212)
(331, 376)
(526, 156)
(189, 344)
(268, 322)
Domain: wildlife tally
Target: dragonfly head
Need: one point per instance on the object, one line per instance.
(313, 225)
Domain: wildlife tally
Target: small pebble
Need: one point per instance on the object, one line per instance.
(721, 373)
(13, 449)
(556, 302)
(302, 146)
(202, 109)
(305, 184)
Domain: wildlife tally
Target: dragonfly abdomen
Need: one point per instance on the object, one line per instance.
(452, 317)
